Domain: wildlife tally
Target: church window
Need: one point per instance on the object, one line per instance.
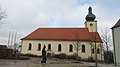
(30, 46)
(93, 50)
(98, 51)
(59, 47)
(39, 46)
(70, 48)
(83, 48)
(49, 47)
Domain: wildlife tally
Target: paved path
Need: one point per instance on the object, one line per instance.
(34, 62)
(100, 65)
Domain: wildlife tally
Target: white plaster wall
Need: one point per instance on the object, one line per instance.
(54, 47)
(117, 43)
(101, 55)
(87, 50)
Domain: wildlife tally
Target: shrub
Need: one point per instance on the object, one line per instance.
(20, 58)
(108, 57)
(5, 52)
(73, 57)
(49, 55)
(90, 59)
(60, 56)
(30, 55)
(65, 56)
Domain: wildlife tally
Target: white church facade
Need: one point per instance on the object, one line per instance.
(64, 40)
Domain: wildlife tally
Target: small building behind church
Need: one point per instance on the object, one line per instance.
(63, 40)
(116, 41)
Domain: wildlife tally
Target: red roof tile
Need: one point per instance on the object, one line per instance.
(61, 34)
(97, 38)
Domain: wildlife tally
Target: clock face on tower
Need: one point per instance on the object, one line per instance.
(91, 24)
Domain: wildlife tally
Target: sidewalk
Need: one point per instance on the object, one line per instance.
(36, 62)
(100, 65)
(63, 61)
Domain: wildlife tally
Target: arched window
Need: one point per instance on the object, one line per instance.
(83, 48)
(39, 46)
(30, 46)
(98, 51)
(59, 47)
(49, 47)
(70, 48)
(93, 50)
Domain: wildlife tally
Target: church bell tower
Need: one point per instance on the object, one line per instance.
(90, 22)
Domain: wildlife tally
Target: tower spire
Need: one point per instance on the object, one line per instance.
(90, 10)
(90, 16)
(90, 22)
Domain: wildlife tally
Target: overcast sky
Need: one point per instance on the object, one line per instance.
(24, 16)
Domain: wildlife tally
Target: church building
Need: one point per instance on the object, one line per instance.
(66, 40)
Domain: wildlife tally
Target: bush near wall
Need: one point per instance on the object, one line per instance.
(108, 57)
(30, 55)
(72, 57)
(59, 56)
(65, 56)
(5, 52)
(90, 59)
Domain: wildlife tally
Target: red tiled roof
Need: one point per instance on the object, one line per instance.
(96, 37)
(117, 24)
(61, 34)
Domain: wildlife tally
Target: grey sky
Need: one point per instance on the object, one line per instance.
(24, 16)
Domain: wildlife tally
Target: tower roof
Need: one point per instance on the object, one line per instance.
(117, 24)
(90, 16)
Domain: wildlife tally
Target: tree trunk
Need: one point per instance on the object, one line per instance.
(77, 56)
(91, 51)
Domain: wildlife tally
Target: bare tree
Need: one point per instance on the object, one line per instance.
(3, 15)
(106, 37)
(77, 46)
(92, 46)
